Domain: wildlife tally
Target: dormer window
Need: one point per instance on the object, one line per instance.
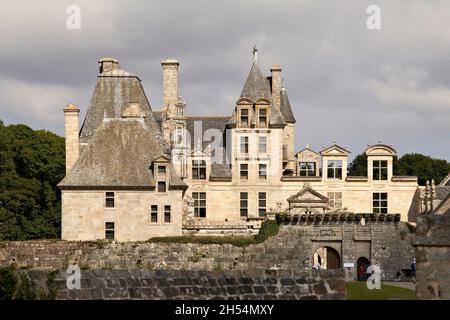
(334, 169)
(262, 117)
(307, 169)
(244, 118)
(380, 170)
(162, 170)
(198, 170)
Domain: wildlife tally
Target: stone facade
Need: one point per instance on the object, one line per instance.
(129, 206)
(225, 172)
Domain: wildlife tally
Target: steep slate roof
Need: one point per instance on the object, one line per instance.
(119, 155)
(113, 92)
(286, 109)
(219, 171)
(218, 122)
(256, 87)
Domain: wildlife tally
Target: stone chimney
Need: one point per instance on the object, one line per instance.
(276, 84)
(108, 64)
(71, 113)
(170, 85)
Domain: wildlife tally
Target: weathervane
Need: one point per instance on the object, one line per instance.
(255, 54)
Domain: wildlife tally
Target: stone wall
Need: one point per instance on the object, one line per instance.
(433, 256)
(386, 244)
(195, 284)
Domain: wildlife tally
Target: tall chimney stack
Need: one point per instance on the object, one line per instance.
(71, 113)
(170, 84)
(276, 84)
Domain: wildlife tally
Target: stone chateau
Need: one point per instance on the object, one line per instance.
(134, 172)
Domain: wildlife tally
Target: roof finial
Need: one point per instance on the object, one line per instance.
(255, 54)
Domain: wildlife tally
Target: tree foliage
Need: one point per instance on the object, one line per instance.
(411, 164)
(31, 164)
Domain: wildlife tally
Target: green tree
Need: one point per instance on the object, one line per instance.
(424, 167)
(31, 164)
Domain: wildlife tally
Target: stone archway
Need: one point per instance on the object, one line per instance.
(361, 268)
(326, 258)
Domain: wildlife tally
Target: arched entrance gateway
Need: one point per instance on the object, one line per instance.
(361, 268)
(326, 258)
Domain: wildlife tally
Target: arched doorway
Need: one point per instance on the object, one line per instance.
(326, 258)
(361, 268)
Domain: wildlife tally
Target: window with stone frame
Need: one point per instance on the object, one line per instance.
(243, 204)
(198, 170)
(380, 169)
(262, 204)
(244, 171)
(380, 202)
(167, 214)
(335, 199)
(161, 170)
(162, 186)
(262, 171)
(334, 169)
(262, 144)
(154, 214)
(199, 204)
(244, 117)
(307, 169)
(244, 145)
(262, 117)
(109, 200)
(109, 230)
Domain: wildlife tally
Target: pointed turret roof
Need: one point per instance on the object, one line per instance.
(286, 109)
(256, 86)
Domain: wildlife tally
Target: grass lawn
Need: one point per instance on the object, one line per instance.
(359, 291)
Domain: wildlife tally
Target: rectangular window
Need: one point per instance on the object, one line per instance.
(161, 170)
(244, 171)
(335, 199)
(199, 204)
(244, 145)
(198, 169)
(109, 230)
(380, 170)
(109, 200)
(262, 118)
(262, 204)
(307, 169)
(154, 214)
(166, 214)
(243, 204)
(262, 144)
(161, 186)
(380, 202)
(244, 117)
(334, 169)
(262, 172)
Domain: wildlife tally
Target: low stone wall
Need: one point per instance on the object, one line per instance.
(253, 284)
(388, 245)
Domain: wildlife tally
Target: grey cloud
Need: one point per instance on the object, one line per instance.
(344, 81)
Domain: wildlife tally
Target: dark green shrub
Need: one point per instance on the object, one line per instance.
(8, 283)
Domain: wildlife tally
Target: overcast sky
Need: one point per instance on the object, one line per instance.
(345, 82)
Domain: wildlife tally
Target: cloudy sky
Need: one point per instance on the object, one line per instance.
(345, 82)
